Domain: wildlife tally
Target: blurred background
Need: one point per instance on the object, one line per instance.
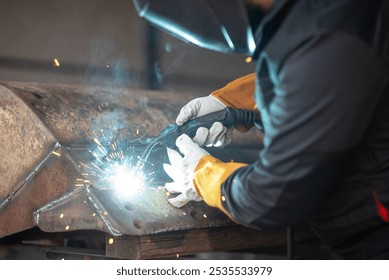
(104, 43)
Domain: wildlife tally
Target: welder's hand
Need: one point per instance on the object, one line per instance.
(181, 169)
(217, 135)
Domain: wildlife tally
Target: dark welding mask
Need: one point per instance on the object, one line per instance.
(219, 25)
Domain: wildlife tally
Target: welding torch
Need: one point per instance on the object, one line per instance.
(228, 117)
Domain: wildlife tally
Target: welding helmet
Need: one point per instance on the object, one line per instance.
(219, 25)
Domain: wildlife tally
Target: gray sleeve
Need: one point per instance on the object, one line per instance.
(324, 100)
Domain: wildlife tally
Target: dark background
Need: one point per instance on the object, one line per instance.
(86, 36)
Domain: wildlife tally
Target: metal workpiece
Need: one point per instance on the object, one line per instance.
(95, 203)
(74, 113)
(49, 179)
(24, 142)
(148, 213)
(62, 145)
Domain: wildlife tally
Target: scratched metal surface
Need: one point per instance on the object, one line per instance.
(97, 206)
(48, 141)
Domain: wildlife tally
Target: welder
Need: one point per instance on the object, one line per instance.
(322, 90)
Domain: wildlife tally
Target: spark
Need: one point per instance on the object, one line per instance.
(56, 62)
(97, 141)
(102, 150)
(56, 154)
(61, 216)
(67, 227)
(248, 59)
(85, 165)
(98, 168)
(110, 241)
(205, 216)
(102, 133)
(100, 146)
(94, 133)
(95, 155)
(118, 166)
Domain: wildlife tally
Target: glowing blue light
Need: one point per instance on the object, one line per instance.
(250, 41)
(227, 38)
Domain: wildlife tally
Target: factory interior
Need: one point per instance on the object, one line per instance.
(83, 86)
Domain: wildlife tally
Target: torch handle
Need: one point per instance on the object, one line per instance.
(228, 117)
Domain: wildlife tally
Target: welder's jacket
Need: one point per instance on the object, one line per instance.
(323, 93)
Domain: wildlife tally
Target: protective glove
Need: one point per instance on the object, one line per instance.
(181, 170)
(218, 135)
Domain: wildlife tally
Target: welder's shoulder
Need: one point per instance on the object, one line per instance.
(333, 55)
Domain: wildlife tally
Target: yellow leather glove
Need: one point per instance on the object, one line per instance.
(239, 93)
(208, 177)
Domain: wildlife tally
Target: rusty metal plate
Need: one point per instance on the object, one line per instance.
(24, 142)
(99, 209)
(48, 180)
(96, 204)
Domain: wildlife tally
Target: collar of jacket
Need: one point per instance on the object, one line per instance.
(270, 24)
